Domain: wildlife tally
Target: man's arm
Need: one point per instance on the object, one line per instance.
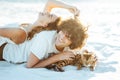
(34, 62)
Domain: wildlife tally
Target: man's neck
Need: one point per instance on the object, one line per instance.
(59, 48)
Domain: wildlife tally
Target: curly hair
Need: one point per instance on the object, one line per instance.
(76, 31)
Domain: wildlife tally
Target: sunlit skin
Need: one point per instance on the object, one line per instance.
(62, 40)
(44, 19)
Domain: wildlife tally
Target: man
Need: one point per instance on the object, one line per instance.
(70, 34)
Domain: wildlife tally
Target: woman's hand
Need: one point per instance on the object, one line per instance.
(44, 19)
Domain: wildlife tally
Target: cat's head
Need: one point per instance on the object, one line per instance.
(88, 58)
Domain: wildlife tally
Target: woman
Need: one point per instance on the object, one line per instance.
(19, 35)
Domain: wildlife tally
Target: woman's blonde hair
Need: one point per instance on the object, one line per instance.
(37, 29)
(73, 27)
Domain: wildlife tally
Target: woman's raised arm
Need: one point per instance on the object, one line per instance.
(57, 4)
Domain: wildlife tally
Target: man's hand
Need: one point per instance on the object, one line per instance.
(66, 55)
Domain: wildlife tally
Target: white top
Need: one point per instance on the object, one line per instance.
(40, 45)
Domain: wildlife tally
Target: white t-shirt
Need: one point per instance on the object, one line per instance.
(41, 45)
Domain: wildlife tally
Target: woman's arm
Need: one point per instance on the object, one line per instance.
(57, 4)
(34, 62)
(43, 18)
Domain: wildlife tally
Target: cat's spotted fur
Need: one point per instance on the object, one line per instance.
(85, 59)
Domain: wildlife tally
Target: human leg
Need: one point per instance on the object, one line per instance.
(17, 35)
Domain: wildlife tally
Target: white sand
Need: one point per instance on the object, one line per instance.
(104, 38)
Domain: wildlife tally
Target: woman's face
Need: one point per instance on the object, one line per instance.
(44, 19)
(62, 39)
